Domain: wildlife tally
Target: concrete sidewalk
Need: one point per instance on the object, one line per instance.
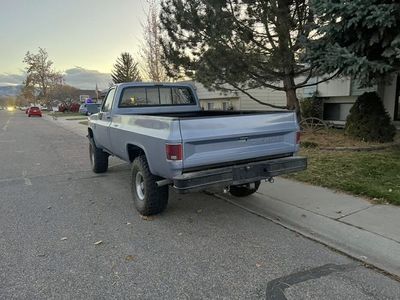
(70, 125)
(353, 225)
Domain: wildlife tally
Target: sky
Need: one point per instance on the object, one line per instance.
(82, 37)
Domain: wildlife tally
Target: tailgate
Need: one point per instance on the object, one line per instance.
(217, 140)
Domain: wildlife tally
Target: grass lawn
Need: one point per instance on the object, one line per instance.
(372, 174)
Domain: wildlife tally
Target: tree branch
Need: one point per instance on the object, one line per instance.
(320, 81)
(255, 99)
(257, 77)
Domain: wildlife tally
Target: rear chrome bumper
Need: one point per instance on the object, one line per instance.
(238, 174)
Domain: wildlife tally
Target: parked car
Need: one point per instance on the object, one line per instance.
(88, 109)
(34, 111)
(162, 131)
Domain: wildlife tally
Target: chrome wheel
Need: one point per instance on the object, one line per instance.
(139, 182)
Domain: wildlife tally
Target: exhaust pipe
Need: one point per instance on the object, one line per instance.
(164, 182)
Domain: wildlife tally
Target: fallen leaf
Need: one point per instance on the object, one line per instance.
(180, 233)
(339, 212)
(98, 242)
(129, 258)
(258, 265)
(41, 254)
(64, 238)
(199, 211)
(147, 218)
(48, 207)
(127, 223)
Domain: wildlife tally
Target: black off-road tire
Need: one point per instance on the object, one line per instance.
(244, 190)
(151, 199)
(98, 158)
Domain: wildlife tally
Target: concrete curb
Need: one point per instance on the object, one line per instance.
(370, 148)
(320, 224)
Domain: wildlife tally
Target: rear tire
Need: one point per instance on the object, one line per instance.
(98, 158)
(245, 189)
(149, 199)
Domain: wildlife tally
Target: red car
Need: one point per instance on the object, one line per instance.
(34, 111)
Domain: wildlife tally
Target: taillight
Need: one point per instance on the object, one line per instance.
(298, 137)
(174, 151)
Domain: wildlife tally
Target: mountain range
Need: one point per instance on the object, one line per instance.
(14, 90)
(10, 90)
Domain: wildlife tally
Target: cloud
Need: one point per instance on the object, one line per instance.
(77, 77)
(86, 79)
(7, 79)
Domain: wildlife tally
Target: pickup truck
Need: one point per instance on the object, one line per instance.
(161, 130)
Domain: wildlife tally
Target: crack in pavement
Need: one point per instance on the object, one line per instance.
(275, 288)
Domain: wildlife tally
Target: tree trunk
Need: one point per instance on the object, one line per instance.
(291, 98)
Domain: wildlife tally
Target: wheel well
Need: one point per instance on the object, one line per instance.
(90, 133)
(134, 151)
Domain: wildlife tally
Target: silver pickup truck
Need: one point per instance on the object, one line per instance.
(170, 141)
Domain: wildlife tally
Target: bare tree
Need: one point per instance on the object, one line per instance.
(41, 75)
(28, 90)
(152, 51)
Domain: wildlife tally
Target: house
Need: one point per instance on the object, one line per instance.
(338, 96)
(217, 100)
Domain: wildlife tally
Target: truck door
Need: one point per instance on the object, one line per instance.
(102, 133)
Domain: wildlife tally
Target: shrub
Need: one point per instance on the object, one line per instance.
(311, 107)
(369, 121)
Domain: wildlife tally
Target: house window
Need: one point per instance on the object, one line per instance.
(210, 106)
(336, 111)
(226, 105)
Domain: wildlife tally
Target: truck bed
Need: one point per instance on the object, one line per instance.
(214, 113)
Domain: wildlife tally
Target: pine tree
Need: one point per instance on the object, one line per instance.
(125, 69)
(240, 45)
(361, 38)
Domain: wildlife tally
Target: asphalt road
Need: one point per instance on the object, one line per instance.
(53, 210)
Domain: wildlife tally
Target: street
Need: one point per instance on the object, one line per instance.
(67, 233)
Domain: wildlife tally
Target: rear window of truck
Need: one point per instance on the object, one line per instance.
(156, 96)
